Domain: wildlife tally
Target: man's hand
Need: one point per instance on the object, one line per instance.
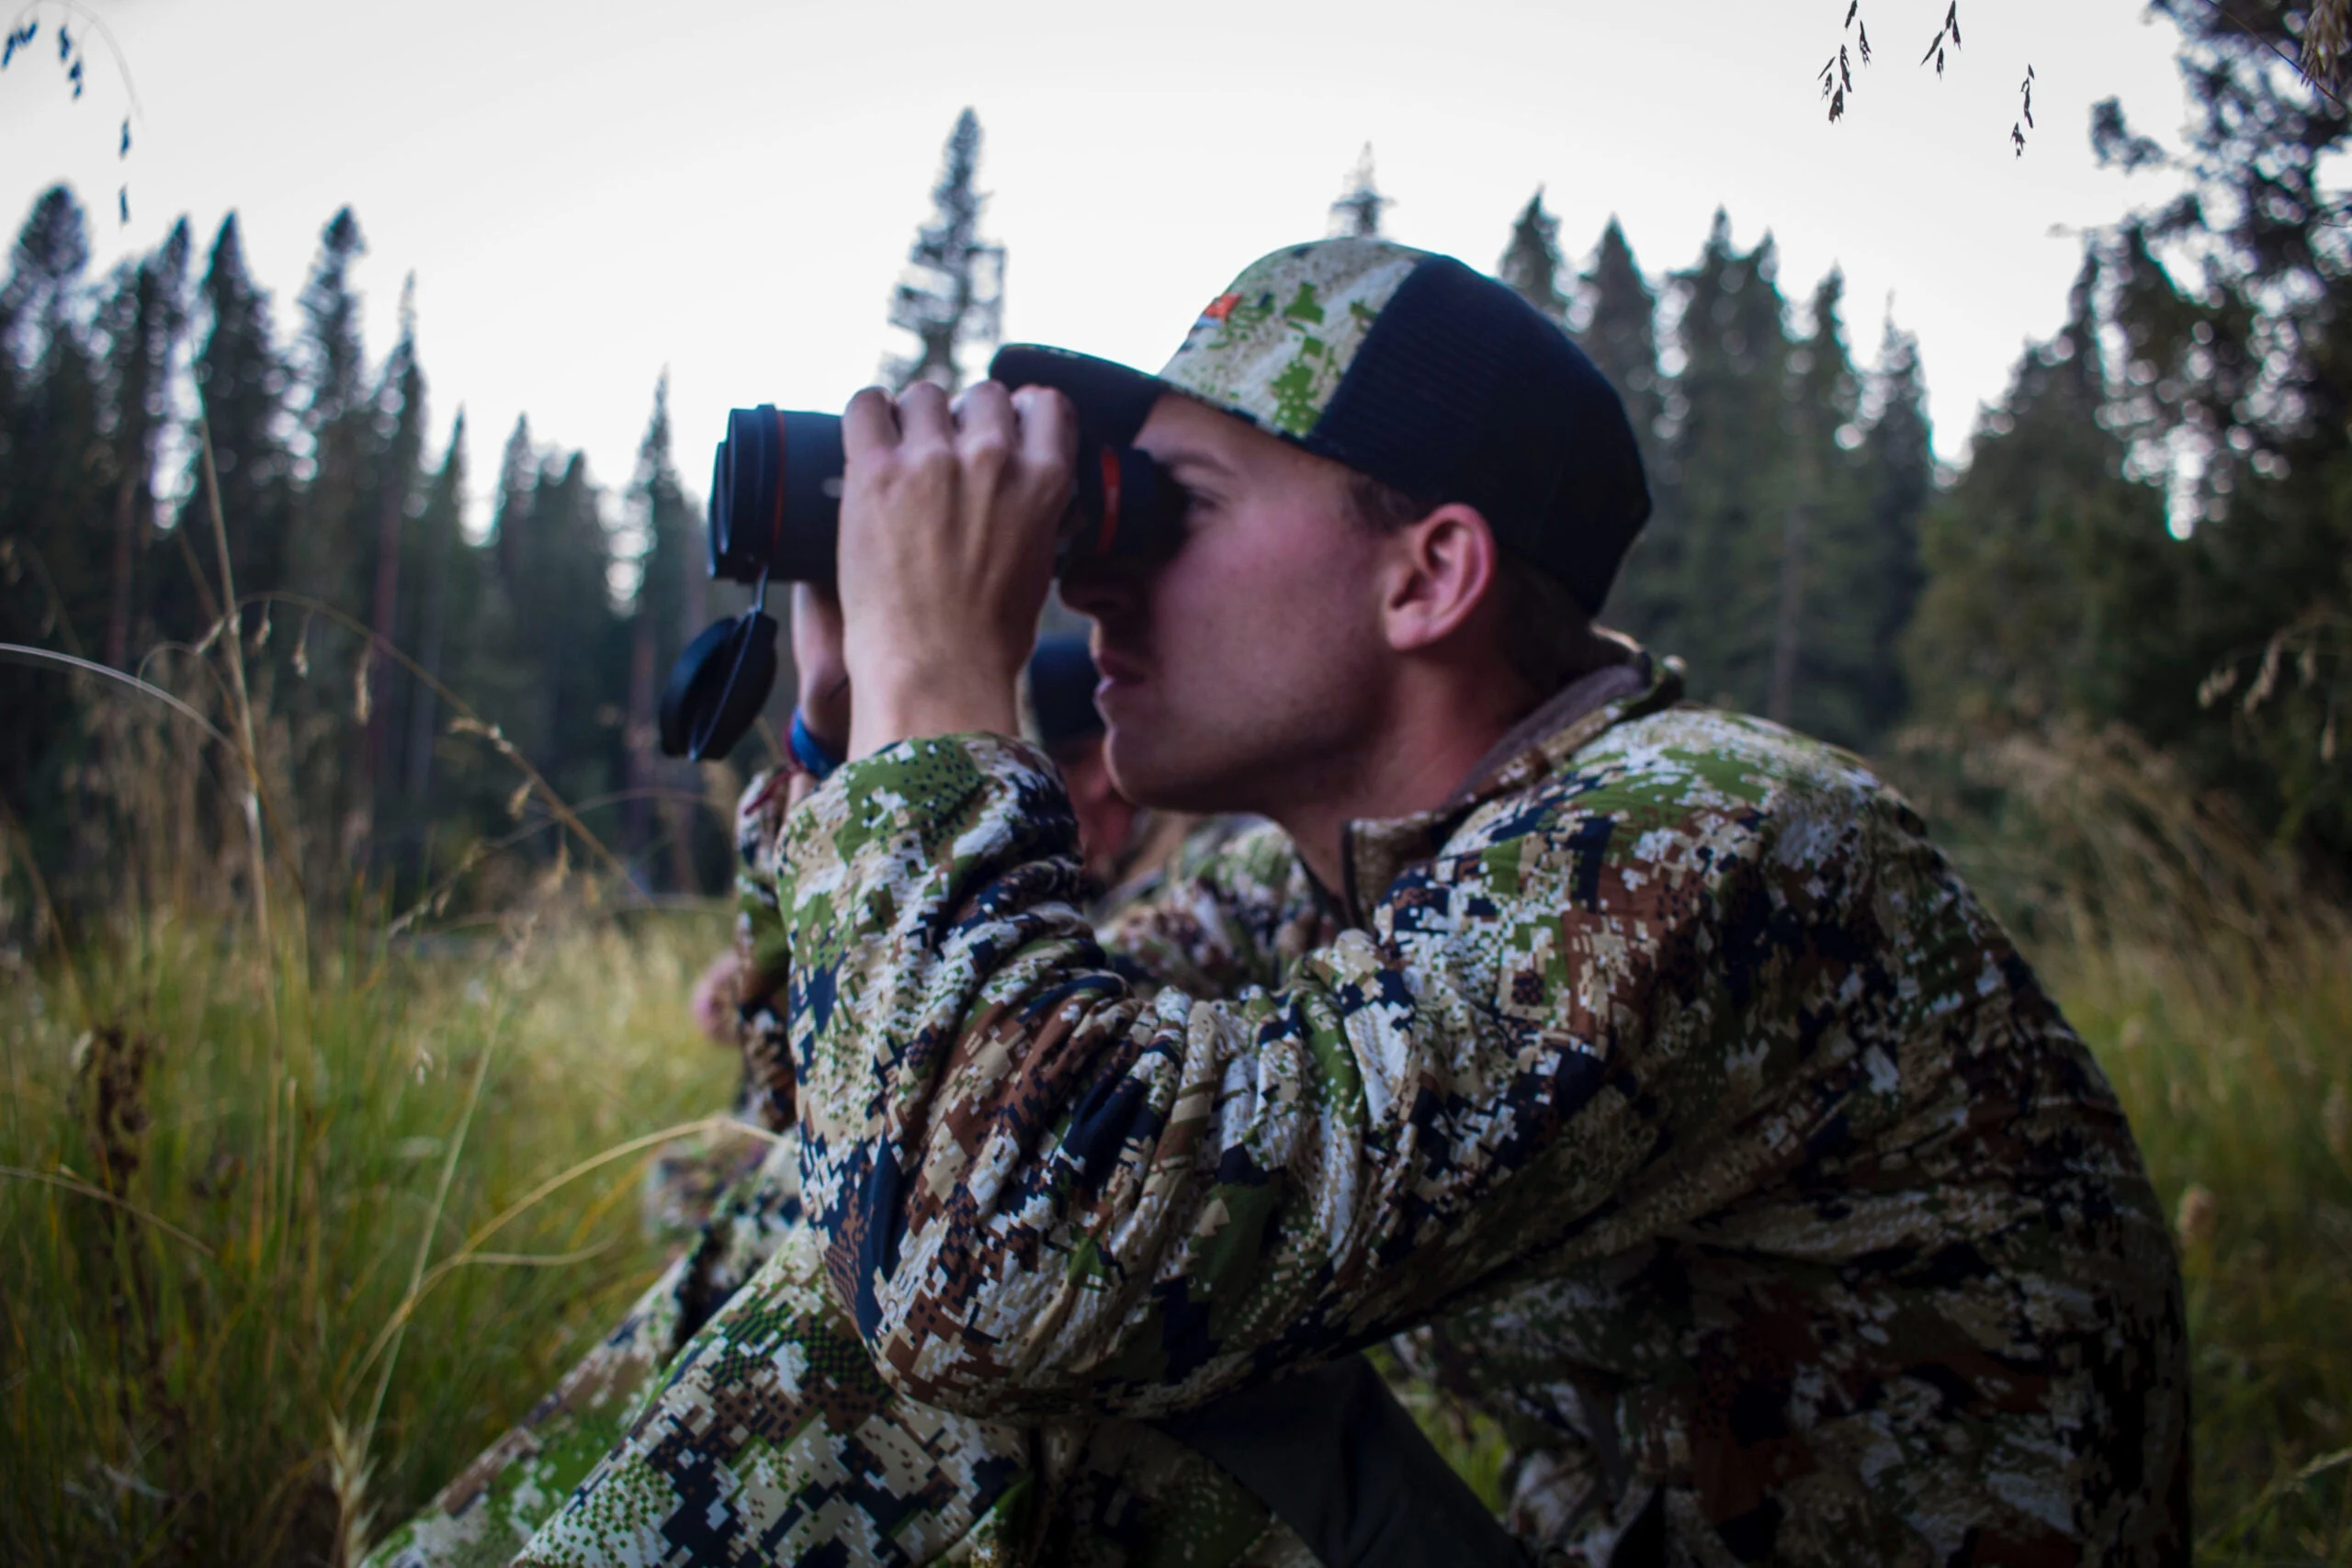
(947, 536)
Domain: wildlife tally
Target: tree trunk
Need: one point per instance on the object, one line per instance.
(1783, 701)
(423, 714)
(638, 815)
(128, 516)
(381, 622)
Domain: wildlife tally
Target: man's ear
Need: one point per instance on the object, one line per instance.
(1442, 571)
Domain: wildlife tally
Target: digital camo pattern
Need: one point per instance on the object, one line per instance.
(1668, 1096)
(489, 1511)
(1726, 1148)
(687, 1177)
(767, 1438)
(772, 1440)
(1273, 346)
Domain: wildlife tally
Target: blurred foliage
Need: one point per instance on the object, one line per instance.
(158, 496)
(2153, 532)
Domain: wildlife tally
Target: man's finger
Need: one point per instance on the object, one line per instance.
(869, 424)
(923, 414)
(1048, 428)
(985, 411)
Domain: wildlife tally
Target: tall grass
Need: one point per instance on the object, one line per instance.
(2215, 987)
(2240, 1102)
(297, 1210)
(252, 1300)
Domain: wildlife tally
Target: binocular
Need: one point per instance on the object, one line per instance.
(776, 499)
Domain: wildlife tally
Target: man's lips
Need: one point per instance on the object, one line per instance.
(1117, 668)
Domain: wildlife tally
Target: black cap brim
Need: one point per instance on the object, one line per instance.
(1112, 399)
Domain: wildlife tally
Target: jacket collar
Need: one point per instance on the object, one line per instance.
(1377, 851)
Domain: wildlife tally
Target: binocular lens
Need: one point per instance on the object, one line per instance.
(775, 496)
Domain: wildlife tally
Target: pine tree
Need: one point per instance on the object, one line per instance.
(398, 406)
(1729, 476)
(1831, 595)
(661, 620)
(1619, 314)
(436, 547)
(53, 494)
(1357, 212)
(2237, 387)
(587, 678)
(477, 642)
(952, 296)
(54, 375)
(335, 422)
(562, 640)
(145, 319)
(514, 544)
(2043, 550)
(518, 466)
(1531, 263)
(241, 387)
(1898, 478)
(1620, 330)
(52, 507)
(52, 250)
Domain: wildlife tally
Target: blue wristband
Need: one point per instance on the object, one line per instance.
(809, 752)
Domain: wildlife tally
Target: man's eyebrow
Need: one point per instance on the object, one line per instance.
(1192, 458)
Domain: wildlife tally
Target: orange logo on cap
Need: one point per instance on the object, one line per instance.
(1220, 308)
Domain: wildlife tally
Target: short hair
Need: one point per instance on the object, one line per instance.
(1548, 639)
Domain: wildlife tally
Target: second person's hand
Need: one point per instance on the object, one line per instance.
(822, 695)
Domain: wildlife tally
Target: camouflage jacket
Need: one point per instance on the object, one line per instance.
(1666, 1087)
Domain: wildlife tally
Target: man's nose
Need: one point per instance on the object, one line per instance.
(1100, 587)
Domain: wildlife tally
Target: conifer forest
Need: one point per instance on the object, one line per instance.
(354, 803)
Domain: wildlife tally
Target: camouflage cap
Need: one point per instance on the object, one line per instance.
(1409, 368)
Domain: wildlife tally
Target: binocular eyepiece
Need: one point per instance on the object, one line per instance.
(775, 502)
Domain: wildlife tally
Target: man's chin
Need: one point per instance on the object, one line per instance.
(1164, 777)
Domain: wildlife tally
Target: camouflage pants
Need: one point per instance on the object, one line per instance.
(734, 1417)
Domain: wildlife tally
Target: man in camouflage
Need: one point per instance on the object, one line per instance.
(1126, 850)
(1641, 1073)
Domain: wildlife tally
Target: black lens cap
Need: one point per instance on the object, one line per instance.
(719, 686)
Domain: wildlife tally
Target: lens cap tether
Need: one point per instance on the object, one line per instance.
(720, 685)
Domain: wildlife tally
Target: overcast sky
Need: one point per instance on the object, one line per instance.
(587, 193)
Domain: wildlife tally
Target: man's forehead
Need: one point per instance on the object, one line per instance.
(1183, 430)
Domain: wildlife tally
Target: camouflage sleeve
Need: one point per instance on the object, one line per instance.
(763, 959)
(1233, 909)
(758, 925)
(1042, 1192)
